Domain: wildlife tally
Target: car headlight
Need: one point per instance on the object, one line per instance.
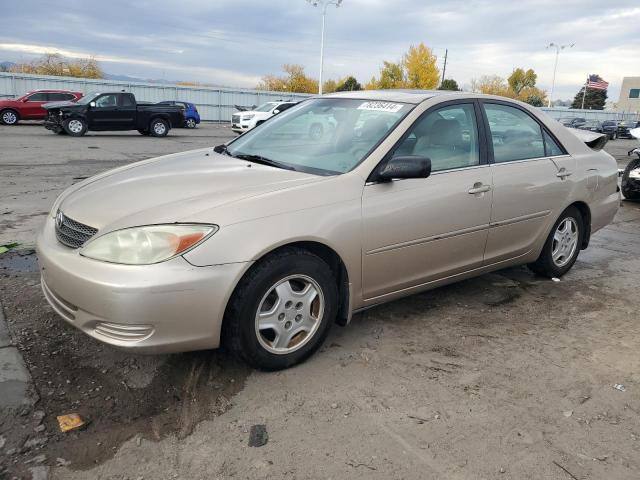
(147, 245)
(248, 117)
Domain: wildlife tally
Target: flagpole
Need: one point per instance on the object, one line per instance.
(584, 92)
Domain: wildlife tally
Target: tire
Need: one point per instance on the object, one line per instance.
(190, 123)
(9, 117)
(293, 271)
(316, 131)
(158, 128)
(76, 127)
(567, 232)
(627, 186)
(143, 132)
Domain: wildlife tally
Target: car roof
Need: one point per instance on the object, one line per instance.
(52, 91)
(400, 95)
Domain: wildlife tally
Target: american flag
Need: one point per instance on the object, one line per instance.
(597, 83)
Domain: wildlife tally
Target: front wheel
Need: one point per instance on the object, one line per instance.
(190, 123)
(76, 127)
(9, 117)
(562, 247)
(159, 127)
(630, 185)
(282, 311)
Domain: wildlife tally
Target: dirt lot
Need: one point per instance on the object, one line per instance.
(505, 376)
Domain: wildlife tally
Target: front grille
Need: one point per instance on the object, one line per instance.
(71, 233)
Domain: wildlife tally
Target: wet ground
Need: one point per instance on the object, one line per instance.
(504, 376)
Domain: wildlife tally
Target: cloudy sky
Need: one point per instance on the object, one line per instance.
(235, 42)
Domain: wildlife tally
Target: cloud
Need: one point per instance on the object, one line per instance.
(235, 43)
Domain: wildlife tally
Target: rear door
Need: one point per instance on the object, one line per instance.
(531, 180)
(127, 111)
(420, 230)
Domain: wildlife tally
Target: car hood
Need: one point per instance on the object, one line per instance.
(175, 188)
(9, 102)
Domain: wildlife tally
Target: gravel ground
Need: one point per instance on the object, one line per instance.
(505, 376)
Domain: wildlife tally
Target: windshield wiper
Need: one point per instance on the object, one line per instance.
(263, 161)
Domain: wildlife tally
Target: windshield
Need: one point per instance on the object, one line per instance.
(265, 107)
(88, 98)
(324, 136)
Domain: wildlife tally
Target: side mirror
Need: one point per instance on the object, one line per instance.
(92, 104)
(25, 100)
(406, 166)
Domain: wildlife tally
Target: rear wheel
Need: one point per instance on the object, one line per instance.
(76, 127)
(190, 123)
(630, 187)
(563, 245)
(158, 127)
(282, 310)
(9, 117)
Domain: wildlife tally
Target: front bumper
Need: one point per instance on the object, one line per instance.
(171, 306)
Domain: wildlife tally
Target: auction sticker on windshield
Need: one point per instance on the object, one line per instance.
(381, 106)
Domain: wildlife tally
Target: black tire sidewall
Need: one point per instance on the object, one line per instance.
(545, 264)
(253, 292)
(65, 125)
(158, 120)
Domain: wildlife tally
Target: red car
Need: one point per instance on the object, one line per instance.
(29, 106)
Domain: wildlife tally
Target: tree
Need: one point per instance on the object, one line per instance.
(391, 76)
(330, 86)
(420, 68)
(593, 100)
(521, 85)
(349, 84)
(449, 84)
(294, 81)
(55, 64)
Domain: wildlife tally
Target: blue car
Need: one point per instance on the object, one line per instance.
(191, 115)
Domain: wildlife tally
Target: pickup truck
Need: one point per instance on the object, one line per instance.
(112, 111)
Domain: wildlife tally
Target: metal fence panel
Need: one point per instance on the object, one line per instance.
(214, 104)
(600, 115)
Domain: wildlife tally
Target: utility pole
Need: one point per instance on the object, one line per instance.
(555, 65)
(444, 68)
(323, 4)
(584, 92)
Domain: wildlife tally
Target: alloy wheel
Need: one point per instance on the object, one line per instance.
(159, 128)
(9, 117)
(75, 126)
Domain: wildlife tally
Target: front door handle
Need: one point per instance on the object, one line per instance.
(563, 173)
(478, 187)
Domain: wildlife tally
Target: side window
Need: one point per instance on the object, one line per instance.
(106, 101)
(551, 146)
(515, 135)
(38, 97)
(127, 101)
(448, 136)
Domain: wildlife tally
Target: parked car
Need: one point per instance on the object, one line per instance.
(191, 115)
(30, 105)
(625, 127)
(245, 121)
(572, 122)
(265, 242)
(592, 126)
(630, 182)
(610, 128)
(112, 111)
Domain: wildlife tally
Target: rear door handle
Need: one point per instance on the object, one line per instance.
(563, 173)
(479, 188)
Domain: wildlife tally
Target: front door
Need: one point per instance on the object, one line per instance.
(531, 181)
(419, 230)
(32, 108)
(105, 113)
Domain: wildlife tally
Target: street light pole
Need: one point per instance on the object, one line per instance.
(555, 65)
(324, 4)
